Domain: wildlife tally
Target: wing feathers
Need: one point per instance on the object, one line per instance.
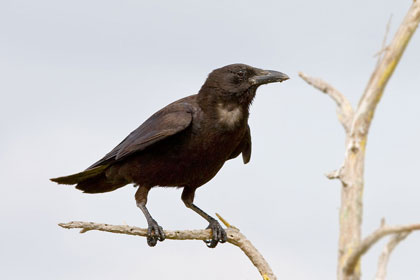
(244, 147)
(170, 120)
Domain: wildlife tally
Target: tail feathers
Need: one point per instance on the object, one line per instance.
(99, 184)
(92, 180)
(81, 176)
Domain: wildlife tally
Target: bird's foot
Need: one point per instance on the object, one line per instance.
(154, 233)
(218, 234)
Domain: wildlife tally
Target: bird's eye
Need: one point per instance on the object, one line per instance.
(241, 74)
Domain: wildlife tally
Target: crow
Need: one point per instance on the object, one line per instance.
(183, 145)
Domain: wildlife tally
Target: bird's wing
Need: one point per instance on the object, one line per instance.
(164, 123)
(244, 147)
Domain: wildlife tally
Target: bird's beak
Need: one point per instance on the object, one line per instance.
(268, 76)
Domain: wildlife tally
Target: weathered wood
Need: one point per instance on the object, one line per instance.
(357, 124)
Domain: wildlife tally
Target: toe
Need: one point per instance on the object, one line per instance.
(223, 237)
(161, 234)
(154, 233)
(151, 241)
(218, 234)
(211, 243)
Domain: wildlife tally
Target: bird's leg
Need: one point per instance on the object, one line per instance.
(218, 233)
(154, 231)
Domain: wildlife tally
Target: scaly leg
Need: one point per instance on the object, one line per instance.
(218, 233)
(154, 231)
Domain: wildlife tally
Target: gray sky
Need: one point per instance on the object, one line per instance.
(78, 76)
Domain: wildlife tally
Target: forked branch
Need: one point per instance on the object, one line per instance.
(386, 253)
(371, 239)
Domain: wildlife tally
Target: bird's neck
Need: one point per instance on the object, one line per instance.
(210, 97)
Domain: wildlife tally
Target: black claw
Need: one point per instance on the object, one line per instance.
(211, 243)
(218, 234)
(154, 233)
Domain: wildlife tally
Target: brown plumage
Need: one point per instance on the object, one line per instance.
(183, 145)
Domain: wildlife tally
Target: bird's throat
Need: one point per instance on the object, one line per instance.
(229, 115)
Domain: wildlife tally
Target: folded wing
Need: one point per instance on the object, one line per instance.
(170, 120)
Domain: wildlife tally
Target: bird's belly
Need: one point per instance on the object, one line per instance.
(180, 161)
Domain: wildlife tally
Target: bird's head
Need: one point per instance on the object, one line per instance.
(237, 83)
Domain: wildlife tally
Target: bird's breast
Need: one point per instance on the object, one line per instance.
(216, 142)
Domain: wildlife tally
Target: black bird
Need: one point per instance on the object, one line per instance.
(183, 145)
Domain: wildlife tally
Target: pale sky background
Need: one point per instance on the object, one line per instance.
(77, 76)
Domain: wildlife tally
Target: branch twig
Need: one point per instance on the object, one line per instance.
(386, 253)
(384, 47)
(370, 240)
(344, 108)
(235, 237)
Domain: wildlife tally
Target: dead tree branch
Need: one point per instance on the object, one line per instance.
(235, 237)
(344, 108)
(386, 253)
(351, 174)
(371, 239)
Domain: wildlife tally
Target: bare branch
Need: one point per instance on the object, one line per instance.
(235, 237)
(370, 240)
(384, 71)
(335, 174)
(386, 253)
(344, 108)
